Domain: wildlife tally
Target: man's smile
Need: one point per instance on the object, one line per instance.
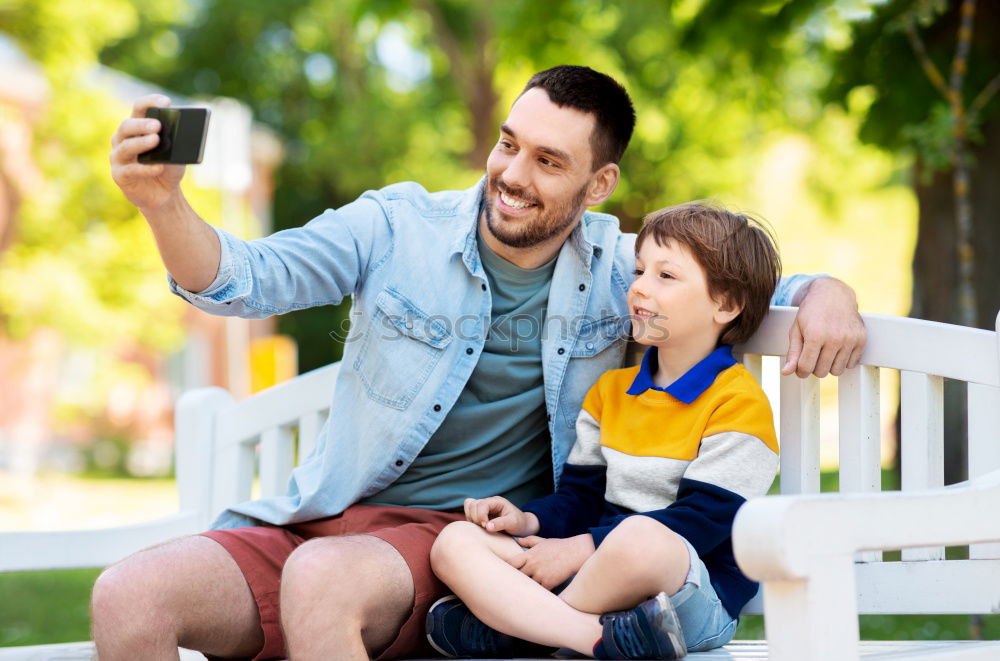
(513, 201)
(512, 205)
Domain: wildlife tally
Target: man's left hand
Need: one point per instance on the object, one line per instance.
(828, 334)
(550, 562)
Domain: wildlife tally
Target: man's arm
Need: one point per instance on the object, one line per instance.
(828, 334)
(317, 264)
(188, 246)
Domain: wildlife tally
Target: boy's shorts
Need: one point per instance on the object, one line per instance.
(261, 553)
(705, 621)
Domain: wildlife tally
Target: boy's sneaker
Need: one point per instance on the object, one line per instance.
(455, 632)
(648, 631)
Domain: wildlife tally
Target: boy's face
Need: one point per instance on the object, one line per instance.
(669, 298)
(539, 173)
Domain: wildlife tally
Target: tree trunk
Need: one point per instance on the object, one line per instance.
(935, 266)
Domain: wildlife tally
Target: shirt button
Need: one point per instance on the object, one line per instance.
(582, 287)
(561, 351)
(399, 462)
(590, 346)
(469, 351)
(437, 407)
(484, 286)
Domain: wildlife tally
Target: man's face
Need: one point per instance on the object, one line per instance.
(539, 172)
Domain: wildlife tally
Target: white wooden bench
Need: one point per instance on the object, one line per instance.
(817, 555)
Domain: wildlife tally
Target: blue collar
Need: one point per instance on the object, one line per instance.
(692, 383)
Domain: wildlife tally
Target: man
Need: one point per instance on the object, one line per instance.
(440, 395)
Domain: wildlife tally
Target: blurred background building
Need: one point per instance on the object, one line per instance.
(131, 428)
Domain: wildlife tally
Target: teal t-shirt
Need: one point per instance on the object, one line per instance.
(495, 440)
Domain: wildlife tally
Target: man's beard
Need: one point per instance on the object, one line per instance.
(527, 233)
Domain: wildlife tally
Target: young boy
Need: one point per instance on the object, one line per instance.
(665, 455)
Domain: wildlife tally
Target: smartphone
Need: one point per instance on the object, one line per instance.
(182, 136)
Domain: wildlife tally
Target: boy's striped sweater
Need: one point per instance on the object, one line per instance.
(688, 455)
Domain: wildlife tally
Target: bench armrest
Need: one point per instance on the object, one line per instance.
(802, 550)
(780, 537)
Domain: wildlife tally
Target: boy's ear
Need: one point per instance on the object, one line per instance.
(602, 184)
(727, 310)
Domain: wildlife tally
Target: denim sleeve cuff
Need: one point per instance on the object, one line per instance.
(790, 285)
(226, 286)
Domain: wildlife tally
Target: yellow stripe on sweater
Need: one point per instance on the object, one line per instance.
(657, 424)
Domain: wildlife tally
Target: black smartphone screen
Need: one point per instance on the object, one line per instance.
(182, 136)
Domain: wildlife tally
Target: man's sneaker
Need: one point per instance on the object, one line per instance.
(648, 631)
(455, 632)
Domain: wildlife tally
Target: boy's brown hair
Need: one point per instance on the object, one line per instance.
(737, 253)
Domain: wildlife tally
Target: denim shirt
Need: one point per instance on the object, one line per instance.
(421, 309)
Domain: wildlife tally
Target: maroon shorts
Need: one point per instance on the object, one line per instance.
(261, 553)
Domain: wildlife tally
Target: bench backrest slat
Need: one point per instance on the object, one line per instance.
(277, 459)
(310, 425)
(922, 442)
(984, 446)
(754, 364)
(233, 480)
(798, 435)
(858, 420)
(860, 436)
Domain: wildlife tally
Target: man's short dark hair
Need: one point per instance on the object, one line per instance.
(582, 88)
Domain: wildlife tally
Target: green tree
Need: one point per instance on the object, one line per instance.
(953, 130)
(367, 93)
(80, 262)
(900, 52)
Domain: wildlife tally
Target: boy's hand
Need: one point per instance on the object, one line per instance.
(551, 561)
(497, 514)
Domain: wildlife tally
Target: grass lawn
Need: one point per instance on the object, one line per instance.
(52, 606)
(45, 606)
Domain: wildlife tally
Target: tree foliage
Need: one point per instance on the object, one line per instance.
(82, 262)
(366, 93)
(909, 113)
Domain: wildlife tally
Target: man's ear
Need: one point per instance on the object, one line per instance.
(602, 184)
(727, 310)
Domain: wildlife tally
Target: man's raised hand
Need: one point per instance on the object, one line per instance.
(147, 186)
(497, 514)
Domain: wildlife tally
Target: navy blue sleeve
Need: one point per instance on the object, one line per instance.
(576, 505)
(703, 514)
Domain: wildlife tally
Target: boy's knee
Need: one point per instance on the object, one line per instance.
(451, 543)
(637, 538)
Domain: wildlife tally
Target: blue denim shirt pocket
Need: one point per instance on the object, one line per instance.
(596, 336)
(401, 348)
(590, 358)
